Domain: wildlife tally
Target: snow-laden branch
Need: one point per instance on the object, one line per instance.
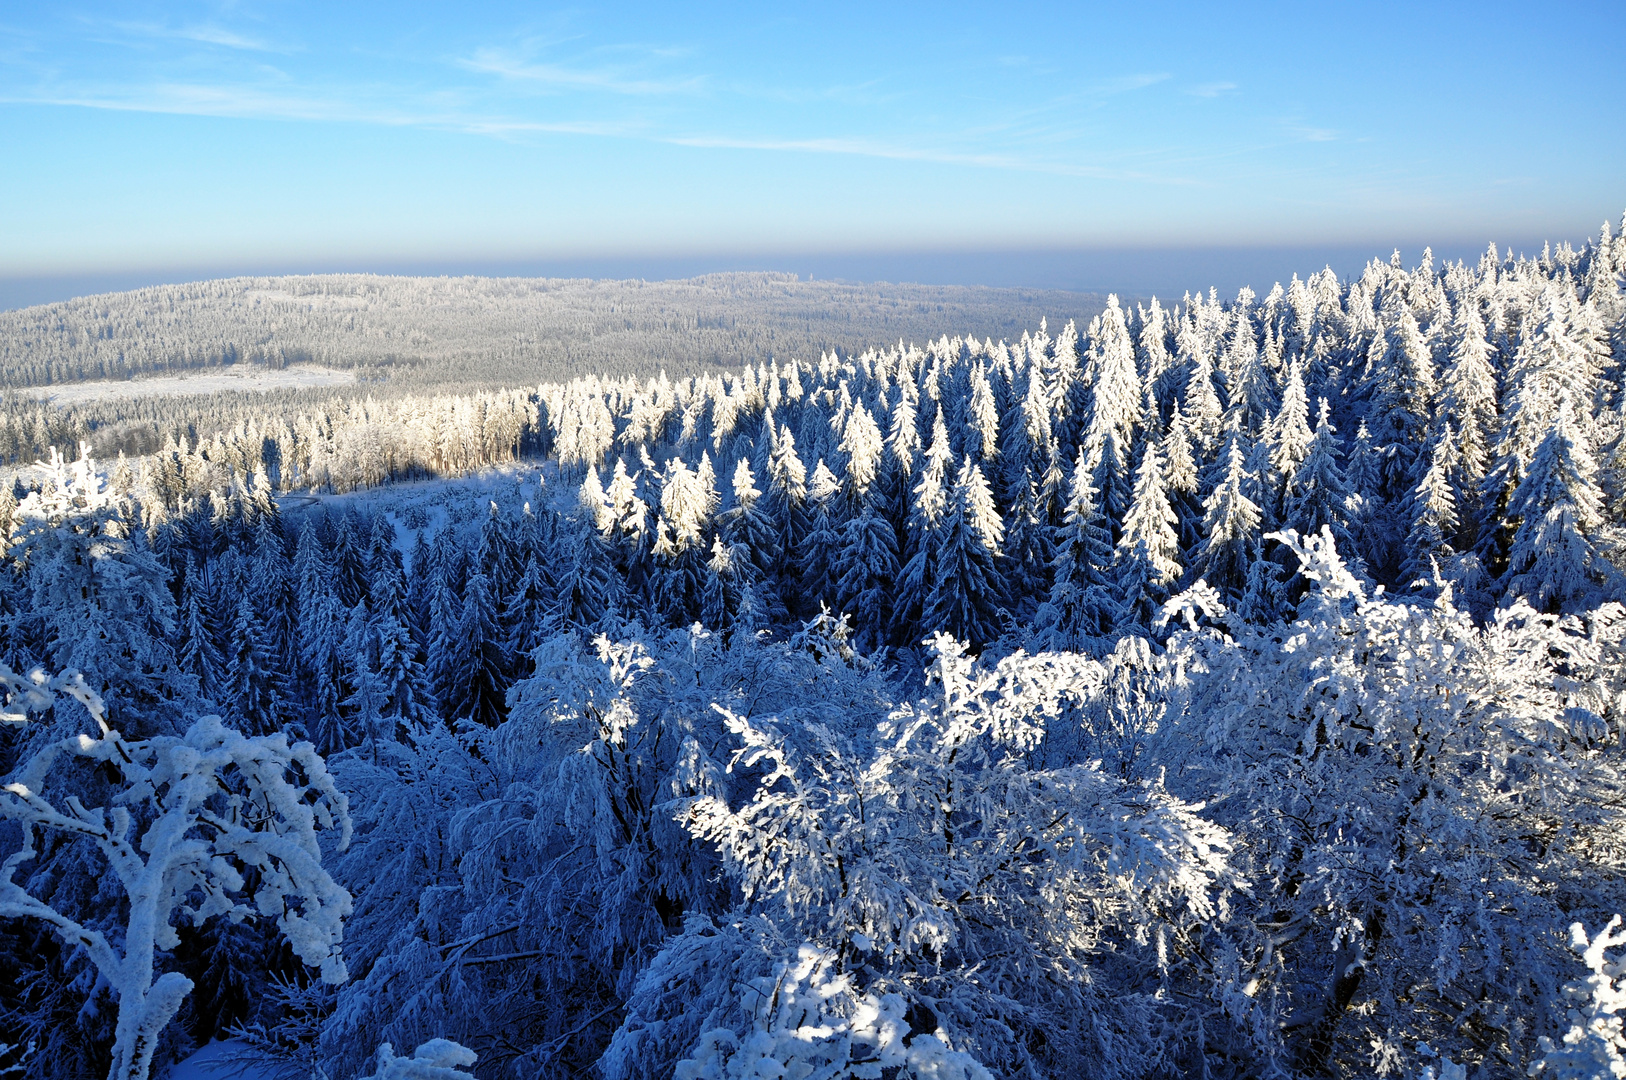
(210, 823)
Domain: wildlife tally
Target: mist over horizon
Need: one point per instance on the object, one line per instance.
(1153, 270)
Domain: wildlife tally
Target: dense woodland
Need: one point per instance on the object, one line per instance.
(409, 337)
(1228, 688)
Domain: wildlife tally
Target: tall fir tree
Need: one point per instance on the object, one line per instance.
(1431, 509)
(1553, 561)
(1230, 529)
(965, 598)
(484, 676)
(1081, 611)
(1149, 528)
(254, 688)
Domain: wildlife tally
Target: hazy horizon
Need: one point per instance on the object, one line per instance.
(1149, 271)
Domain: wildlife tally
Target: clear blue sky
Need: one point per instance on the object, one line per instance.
(370, 135)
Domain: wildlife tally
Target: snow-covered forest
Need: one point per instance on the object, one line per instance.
(406, 337)
(1227, 688)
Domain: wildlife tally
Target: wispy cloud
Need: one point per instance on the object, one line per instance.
(205, 34)
(1213, 89)
(867, 148)
(1125, 84)
(1307, 133)
(202, 100)
(506, 65)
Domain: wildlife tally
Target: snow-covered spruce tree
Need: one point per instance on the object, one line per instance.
(485, 675)
(98, 596)
(866, 571)
(321, 641)
(254, 690)
(1151, 520)
(753, 537)
(966, 598)
(1230, 529)
(1432, 510)
(1080, 613)
(210, 824)
(921, 540)
(588, 585)
(525, 614)
(1553, 562)
(821, 542)
(1385, 768)
(199, 654)
(1468, 393)
(1319, 494)
(1022, 917)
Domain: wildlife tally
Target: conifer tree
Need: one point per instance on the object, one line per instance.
(1029, 551)
(364, 707)
(1081, 611)
(525, 616)
(965, 599)
(321, 639)
(863, 448)
(484, 678)
(397, 657)
(448, 653)
(1402, 401)
(254, 688)
(1319, 494)
(1230, 529)
(349, 564)
(1181, 477)
(199, 653)
(1468, 393)
(922, 539)
(1203, 411)
(1290, 434)
(1553, 561)
(744, 525)
(1253, 399)
(785, 500)
(269, 580)
(1150, 524)
(982, 437)
(1136, 591)
(821, 542)
(1432, 511)
(588, 586)
(1549, 368)
(1263, 600)
(1115, 413)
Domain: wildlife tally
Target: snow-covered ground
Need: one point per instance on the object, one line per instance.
(231, 1060)
(425, 507)
(237, 377)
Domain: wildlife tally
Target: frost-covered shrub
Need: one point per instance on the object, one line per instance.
(1591, 1048)
(919, 869)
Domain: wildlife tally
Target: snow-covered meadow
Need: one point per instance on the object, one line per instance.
(238, 378)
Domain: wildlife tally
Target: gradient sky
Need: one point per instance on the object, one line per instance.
(368, 135)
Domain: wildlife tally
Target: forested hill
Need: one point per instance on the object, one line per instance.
(498, 331)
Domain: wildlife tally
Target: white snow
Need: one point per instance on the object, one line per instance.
(230, 1060)
(238, 377)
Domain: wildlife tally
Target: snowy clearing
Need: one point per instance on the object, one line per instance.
(231, 1060)
(241, 377)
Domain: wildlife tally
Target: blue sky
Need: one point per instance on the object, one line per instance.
(372, 136)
